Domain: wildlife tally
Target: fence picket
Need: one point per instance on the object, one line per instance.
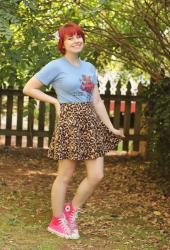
(30, 122)
(127, 118)
(117, 107)
(20, 104)
(51, 122)
(9, 117)
(41, 121)
(107, 97)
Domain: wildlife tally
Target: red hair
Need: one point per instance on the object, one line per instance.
(68, 29)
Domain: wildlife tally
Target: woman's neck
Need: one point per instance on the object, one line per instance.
(73, 58)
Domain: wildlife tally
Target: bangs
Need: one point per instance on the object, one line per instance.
(70, 29)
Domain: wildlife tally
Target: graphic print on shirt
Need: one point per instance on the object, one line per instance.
(86, 83)
(86, 87)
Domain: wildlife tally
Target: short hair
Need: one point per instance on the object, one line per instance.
(68, 29)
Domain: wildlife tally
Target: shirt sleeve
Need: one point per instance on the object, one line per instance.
(47, 74)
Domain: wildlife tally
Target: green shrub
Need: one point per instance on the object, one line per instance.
(157, 112)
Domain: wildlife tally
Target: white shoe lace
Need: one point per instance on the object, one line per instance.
(64, 225)
(74, 215)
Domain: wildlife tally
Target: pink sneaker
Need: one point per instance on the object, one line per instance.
(71, 216)
(59, 226)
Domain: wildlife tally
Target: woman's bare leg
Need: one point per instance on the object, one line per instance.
(66, 169)
(95, 169)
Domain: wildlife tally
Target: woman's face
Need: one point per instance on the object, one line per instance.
(73, 44)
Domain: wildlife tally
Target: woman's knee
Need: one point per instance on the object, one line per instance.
(95, 170)
(66, 170)
(95, 178)
(65, 179)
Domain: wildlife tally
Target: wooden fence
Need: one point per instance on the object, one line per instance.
(23, 124)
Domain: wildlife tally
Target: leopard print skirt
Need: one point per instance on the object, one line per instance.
(80, 134)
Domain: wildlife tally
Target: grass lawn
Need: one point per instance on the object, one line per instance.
(128, 210)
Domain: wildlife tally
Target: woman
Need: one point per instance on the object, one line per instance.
(83, 130)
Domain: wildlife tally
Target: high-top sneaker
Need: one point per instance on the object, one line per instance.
(71, 216)
(59, 226)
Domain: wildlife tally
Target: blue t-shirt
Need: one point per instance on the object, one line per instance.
(71, 83)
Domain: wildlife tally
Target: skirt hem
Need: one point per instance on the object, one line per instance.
(92, 157)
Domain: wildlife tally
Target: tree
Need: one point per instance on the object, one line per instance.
(136, 32)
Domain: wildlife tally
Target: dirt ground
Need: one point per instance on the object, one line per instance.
(128, 210)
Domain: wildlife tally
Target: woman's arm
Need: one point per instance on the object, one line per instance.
(102, 112)
(32, 88)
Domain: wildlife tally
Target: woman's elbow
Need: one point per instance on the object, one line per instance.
(25, 90)
(32, 84)
(97, 101)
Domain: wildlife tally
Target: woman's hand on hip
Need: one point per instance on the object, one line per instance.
(118, 132)
(57, 108)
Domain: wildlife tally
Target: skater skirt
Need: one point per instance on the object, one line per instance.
(80, 134)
